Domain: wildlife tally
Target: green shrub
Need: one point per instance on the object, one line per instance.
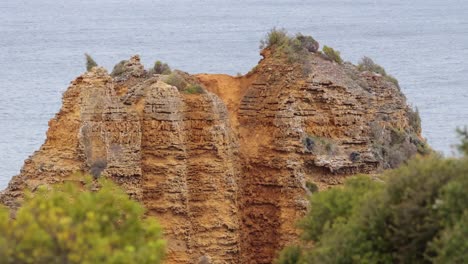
(414, 120)
(290, 255)
(332, 54)
(176, 80)
(308, 43)
(414, 214)
(119, 68)
(275, 37)
(451, 246)
(75, 223)
(161, 68)
(194, 89)
(90, 63)
(463, 135)
(294, 48)
(367, 64)
(334, 205)
(393, 80)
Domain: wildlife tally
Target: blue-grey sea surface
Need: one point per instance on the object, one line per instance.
(424, 43)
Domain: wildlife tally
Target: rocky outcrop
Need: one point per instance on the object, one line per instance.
(225, 169)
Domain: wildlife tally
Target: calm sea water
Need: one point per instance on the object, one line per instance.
(424, 43)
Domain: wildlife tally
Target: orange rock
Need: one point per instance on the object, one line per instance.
(225, 171)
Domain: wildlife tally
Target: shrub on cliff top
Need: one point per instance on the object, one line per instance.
(90, 63)
(294, 48)
(74, 223)
(308, 42)
(161, 68)
(332, 54)
(275, 37)
(177, 80)
(367, 64)
(119, 68)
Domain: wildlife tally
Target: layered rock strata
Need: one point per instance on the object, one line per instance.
(226, 169)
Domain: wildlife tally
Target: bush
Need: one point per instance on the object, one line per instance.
(119, 68)
(72, 223)
(90, 63)
(417, 214)
(334, 205)
(194, 89)
(290, 255)
(176, 80)
(275, 37)
(161, 68)
(308, 42)
(294, 48)
(367, 64)
(463, 135)
(332, 54)
(414, 120)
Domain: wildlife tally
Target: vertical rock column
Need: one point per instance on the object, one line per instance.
(212, 177)
(164, 158)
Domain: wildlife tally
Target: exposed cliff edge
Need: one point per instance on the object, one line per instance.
(225, 168)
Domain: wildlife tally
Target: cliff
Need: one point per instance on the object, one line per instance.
(227, 167)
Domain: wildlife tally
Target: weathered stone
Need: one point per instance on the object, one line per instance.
(225, 171)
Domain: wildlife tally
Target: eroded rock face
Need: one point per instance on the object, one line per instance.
(225, 171)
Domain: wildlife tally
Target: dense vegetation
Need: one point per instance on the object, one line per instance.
(184, 84)
(294, 48)
(75, 223)
(415, 214)
(161, 68)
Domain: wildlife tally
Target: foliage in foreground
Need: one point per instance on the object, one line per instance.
(73, 224)
(416, 214)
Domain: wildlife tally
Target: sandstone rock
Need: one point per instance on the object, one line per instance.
(225, 171)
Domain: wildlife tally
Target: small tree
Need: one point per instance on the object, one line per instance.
(161, 68)
(367, 64)
(90, 63)
(176, 80)
(275, 37)
(463, 135)
(308, 42)
(74, 224)
(332, 54)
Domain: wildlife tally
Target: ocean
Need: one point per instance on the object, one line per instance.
(424, 43)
